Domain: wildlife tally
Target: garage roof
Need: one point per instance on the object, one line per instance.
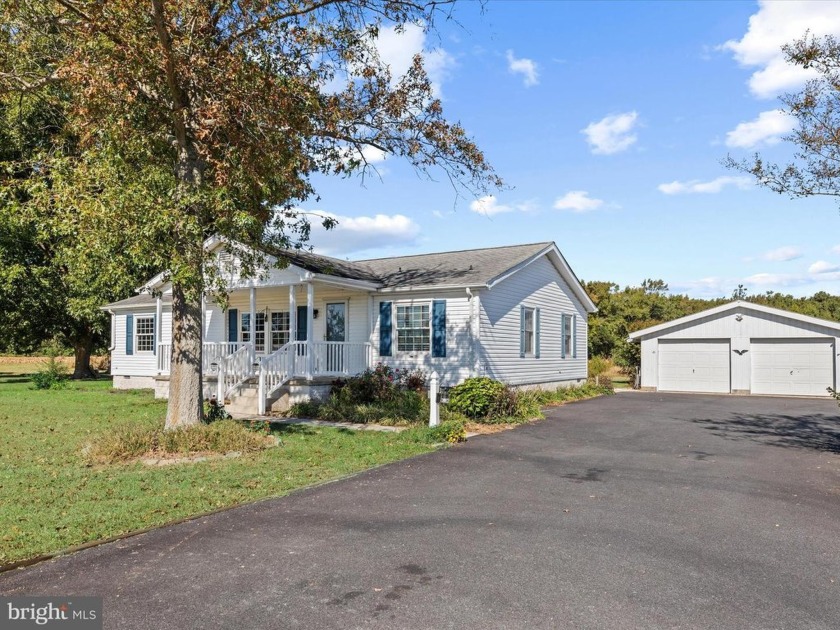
(733, 306)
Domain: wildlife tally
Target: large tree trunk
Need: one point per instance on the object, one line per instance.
(185, 388)
(82, 349)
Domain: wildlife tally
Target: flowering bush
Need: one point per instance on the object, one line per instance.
(380, 384)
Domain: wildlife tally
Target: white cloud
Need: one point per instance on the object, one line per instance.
(612, 134)
(782, 254)
(356, 234)
(577, 201)
(397, 50)
(524, 66)
(489, 206)
(696, 186)
(767, 129)
(776, 24)
(821, 266)
(835, 249)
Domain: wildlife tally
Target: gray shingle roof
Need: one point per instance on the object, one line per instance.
(142, 299)
(465, 268)
(316, 263)
(470, 267)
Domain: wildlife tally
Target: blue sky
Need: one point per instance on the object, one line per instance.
(608, 121)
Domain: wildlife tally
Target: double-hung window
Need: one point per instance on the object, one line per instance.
(528, 330)
(568, 336)
(144, 335)
(280, 321)
(259, 330)
(413, 328)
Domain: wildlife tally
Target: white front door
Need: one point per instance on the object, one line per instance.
(694, 366)
(803, 367)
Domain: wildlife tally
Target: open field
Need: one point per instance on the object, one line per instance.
(50, 499)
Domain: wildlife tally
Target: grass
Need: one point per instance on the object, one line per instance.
(52, 499)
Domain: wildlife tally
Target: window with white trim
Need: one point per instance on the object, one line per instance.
(414, 330)
(280, 334)
(528, 330)
(259, 330)
(144, 334)
(568, 335)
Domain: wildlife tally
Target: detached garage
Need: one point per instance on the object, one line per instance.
(741, 348)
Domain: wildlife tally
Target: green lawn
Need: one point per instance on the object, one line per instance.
(50, 500)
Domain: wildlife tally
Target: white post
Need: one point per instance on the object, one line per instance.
(434, 417)
(261, 393)
(292, 313)
(220, 383)
(253, 327)
(310, 311)
(159, 335)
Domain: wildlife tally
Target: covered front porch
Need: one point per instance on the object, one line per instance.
(271, 334)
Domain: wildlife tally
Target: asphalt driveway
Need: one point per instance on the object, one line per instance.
(641, 510)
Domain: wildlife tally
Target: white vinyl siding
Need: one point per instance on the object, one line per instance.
(538, 285)
(458, 363)
(277, 299)
(746, 330)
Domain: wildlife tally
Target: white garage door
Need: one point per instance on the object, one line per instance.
(792, 367)
(694, 366)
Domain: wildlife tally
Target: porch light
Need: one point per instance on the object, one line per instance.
(314, 313)
(214, 366)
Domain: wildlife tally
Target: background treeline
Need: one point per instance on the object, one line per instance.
(622, 311)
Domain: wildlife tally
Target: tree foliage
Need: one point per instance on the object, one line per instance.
(51, 287)
(202, 118)
(815, 169)
(623, 311)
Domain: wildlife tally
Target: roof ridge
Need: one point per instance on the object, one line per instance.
(455, 251)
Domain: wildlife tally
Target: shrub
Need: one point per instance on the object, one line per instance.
(305, 409)
(598, 366)
(53, 375)
(213, 411)
(405, 407)
(130, 441)
(451, 431)
(478, 397)
(380, 384)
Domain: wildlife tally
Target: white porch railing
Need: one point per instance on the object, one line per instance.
(234, 370)
(340, 358)
(212, 352)
(320, 358)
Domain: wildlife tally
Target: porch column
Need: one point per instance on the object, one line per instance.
(253, 325)
(292, 313)
(310, 308)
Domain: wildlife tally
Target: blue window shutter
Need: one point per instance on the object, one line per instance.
(154, 334)
(521, 332)
(233, 324)
(439, 328)
(574, 336)
(129, 334)
(537, 333)
(385, 335)
(562, 336)
(302, 320)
